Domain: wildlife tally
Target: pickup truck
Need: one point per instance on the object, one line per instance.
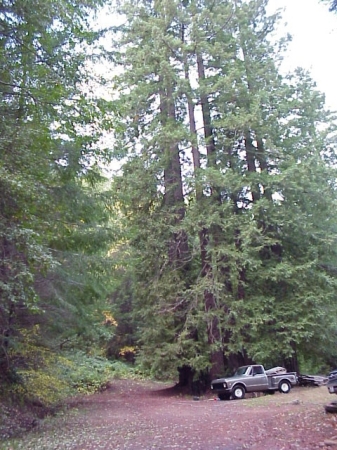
(253, 378)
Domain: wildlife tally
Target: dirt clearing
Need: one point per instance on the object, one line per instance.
(136, 415)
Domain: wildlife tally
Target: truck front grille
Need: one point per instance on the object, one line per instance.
(217, 386)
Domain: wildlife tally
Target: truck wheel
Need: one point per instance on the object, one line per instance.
(224, 396)
(239, 393)
(284, 387)
(331, 408)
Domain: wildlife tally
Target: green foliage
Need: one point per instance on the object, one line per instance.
(87, 374)
(47, 377)
(38, 377)
(60, 376)
(208, 243)
(259, 208)
(54, 230)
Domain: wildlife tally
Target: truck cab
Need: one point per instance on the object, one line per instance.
(255, 377)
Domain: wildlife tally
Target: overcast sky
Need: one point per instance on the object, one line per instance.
(314, 31)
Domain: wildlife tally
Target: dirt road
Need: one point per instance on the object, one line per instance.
(134, 415)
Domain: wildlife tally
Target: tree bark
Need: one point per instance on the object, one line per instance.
(174, 196)
(206, 115)
(250, 158)
(213, 326)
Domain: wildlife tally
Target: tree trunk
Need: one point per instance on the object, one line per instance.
(206, 116)
(213, 327)
(250, 158)
(174, 197)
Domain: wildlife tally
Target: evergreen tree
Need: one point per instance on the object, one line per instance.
(45, 152)
(151, 188)
(235, 286)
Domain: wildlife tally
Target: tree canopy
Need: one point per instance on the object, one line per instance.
(53, 220)
(232, 179)
(214, 243)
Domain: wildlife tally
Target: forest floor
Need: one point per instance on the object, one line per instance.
(144, 415)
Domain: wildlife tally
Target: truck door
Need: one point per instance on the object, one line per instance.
(259, 381)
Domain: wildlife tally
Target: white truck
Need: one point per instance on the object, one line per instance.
(254, 378)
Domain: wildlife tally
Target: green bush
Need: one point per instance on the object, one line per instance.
(87, 374)
(58, 376)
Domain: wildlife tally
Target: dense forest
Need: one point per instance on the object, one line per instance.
(168, 196)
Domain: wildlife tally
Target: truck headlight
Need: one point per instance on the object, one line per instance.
(225, 385)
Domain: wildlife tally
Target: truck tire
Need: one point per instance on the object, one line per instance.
(331, 408)
(284, 387)
(224, 396)
(239, 392)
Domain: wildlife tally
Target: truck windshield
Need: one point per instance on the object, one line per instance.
(242, 370)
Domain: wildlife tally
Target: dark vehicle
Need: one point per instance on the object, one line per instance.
(332, 374)
(253, 378)
(332, 388)
(312, 380)
(332, 382)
